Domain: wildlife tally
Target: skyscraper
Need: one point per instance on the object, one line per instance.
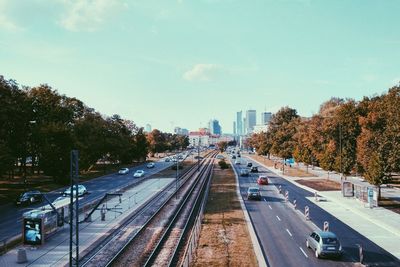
(239, 123)
(250, 120)
(234, 128)
(214, 127)
(265, 117)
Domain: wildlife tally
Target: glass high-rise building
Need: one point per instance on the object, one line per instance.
(239, 123)
(214, 127)
(250, 120)
(265, 117)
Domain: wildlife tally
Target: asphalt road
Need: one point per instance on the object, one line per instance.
(282, 231)
(11, 216)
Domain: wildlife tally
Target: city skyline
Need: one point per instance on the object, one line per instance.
(150, 62)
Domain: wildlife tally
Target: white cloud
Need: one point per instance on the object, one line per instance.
(89, 15)
(202, 72)
(5, 22)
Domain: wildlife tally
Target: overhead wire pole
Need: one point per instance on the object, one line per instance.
(74, 224)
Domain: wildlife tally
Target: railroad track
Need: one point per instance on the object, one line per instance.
(108, 252)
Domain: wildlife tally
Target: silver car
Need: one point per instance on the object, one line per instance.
(324, 244)
(253, 193)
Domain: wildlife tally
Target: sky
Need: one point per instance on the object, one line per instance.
(182, 63)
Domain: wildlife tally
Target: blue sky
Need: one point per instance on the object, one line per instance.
(181, 63)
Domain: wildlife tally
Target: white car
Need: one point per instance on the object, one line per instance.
(138, 173)
(237, 162)
(150, 165)
(123, 171)
(81, 190)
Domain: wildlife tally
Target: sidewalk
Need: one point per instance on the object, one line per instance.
(378, 224)
(55, 251)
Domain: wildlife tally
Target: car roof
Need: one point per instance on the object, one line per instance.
(253, 187)
(326, 234)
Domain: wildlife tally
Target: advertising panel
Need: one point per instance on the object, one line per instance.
(33, 234)
(347, 189)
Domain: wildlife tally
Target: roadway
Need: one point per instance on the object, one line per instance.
(282, 231)
(11, 219)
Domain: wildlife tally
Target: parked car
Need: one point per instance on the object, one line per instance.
(233, 157)
(220, 156)
(237, 162)
(150, 165)
(254, 169)
(262, 180)
(29, 198)
(167, 159)
(253, 193)
(81, 190)
(249, 164)
(324, 244)
(244, 172)
(138, 173)
(123, 171)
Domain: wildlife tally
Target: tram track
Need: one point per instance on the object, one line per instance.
(109, 250)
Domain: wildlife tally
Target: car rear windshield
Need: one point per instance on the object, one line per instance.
(253, 190)
(329, 241)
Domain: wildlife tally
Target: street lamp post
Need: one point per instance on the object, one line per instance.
(177, 177)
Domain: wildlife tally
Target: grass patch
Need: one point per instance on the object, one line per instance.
(320, 184)
(224, 239)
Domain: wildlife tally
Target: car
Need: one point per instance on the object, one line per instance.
(249, 164)
(180, 157)
(150, 165)
(244, 172)
(237, 162)
(253, 193)
(238, 155)
(324, 244)
(254, 169)
(81, 190)
(233, 157)
(28, 198)
(123, 171)
(220, 156)
(262, 180)
(167, 159)
(138, 173)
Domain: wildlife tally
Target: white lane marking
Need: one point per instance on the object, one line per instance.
(303, 252)
(289, 232)
(270, 207)
(265, 200)
(278, 218)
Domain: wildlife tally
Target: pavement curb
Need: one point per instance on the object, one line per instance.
(254, 239)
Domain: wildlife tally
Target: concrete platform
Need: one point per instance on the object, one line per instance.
(55, 251)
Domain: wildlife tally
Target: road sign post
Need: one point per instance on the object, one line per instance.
(295, 204)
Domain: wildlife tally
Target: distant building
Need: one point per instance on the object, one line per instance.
(239, 123)
(147, 128)
(234, 128)
(202, 138)
(260, 128)
(181, 131)
(265, 117)
(250, 121)
(214, 127)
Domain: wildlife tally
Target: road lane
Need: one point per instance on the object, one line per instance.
(373, 254)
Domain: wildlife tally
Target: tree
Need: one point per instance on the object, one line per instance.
(157, 142)
(282, 129)
(222, 145)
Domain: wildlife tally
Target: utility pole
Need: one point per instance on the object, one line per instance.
(340, 144)
(177, 177)
(74, 212)
(198, 155)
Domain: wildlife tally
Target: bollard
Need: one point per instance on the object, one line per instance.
(307, 212)
(295, 204)
(120, 199)
(316, 196)
(21, 256)
(286, 196)
(280, 189)
(361, 253)
(326, 226)
(103, 213)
